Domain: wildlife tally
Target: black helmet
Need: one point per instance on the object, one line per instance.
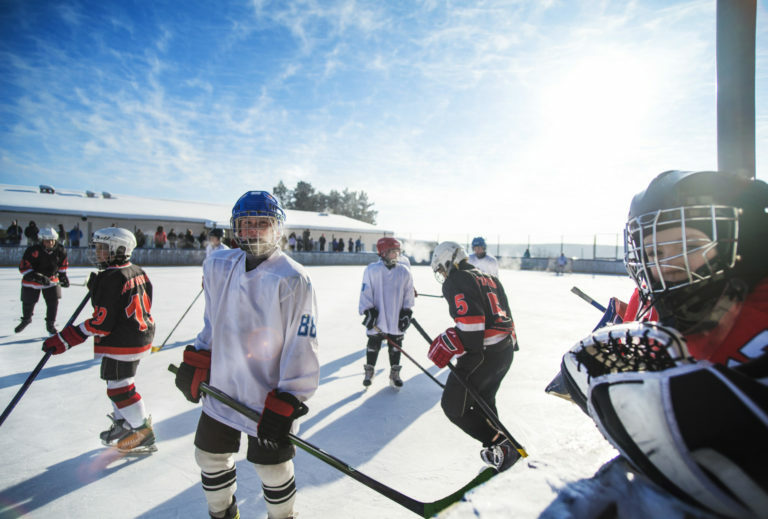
(693, 238)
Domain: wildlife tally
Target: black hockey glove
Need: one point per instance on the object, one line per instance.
(280, 409)
(369, 317)
(63, 279)
(194, 369)
(405, 319)
(36, 277)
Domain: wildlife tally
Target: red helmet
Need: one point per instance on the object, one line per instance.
(384, 244)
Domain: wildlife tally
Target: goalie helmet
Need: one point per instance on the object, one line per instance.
(112, 246)
(445, 258)
(257, 223)
(693, 239)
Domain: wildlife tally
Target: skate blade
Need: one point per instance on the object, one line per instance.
(147, 449)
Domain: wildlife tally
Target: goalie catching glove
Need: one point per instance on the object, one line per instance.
(621, 348)
(65, 339)
(444, 347)
(280, 409)
(194, 369)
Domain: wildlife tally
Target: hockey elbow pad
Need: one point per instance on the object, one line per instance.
(65, 339)
(445, 347)
(280, 410)
(194, 369)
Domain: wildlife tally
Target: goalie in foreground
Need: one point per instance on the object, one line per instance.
(685, 399)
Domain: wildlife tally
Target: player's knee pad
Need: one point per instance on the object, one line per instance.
(279, 488)
(374, 343)
(697, 430)
(219, 477)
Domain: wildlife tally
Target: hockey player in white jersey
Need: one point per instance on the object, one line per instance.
(259, 346)
(386, 302)
(481, 259)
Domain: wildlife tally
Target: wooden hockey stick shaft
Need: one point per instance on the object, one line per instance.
(588, 299)
(401, 350)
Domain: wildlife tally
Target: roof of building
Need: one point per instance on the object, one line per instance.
(47, 200)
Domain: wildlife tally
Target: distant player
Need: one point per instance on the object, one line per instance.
(214, 241)
(386, 302)
(259, 346)
(483, 340)
(481, 259)
(122, 328)
(690, 412)
(44, 268)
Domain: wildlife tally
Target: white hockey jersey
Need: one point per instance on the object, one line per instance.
(389, 291)
(260, 327)
(487, 264)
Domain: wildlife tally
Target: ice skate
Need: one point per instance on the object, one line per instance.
(368, 374)
(230, 513)
(501, 455)
(23, 324)
(137, 441)
(394, 377)
(51, 327)
(118, 428)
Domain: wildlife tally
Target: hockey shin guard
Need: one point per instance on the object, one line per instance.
(279, 487)
(219, 478)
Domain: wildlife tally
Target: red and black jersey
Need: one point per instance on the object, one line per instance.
(43, 261)
(478, 304)
(745, 332)
(122, 325)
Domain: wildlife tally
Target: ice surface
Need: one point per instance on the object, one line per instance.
(54, 465)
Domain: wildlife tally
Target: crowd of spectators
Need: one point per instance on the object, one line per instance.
(74, 237)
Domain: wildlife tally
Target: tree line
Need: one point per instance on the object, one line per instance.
(304, 197)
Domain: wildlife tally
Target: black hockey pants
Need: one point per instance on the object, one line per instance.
(484, 370)
(374, 345)
(30, 296)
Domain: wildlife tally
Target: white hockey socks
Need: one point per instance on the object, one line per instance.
(279, 489)
(217, 472)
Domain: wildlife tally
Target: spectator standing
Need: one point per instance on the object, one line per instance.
(322, 242)
(160, 237)
(75, 234)
(14, 233)
(214, 242)
(30, 232)
(350, 245)
(62, 235)
(172, 239)
(292, 241)
(141, 238)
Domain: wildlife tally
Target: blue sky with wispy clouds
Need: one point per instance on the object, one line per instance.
(507, 118)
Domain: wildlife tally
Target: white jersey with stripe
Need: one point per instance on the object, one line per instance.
(487, 264)
(389, 291)
(260, 327)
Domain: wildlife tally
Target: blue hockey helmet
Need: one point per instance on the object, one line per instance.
(478, 242)
(258, 204)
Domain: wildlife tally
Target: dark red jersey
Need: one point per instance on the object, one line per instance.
(38, 259)
(122, 324)
(478, 304)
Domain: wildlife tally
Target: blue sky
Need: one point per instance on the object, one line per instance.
(509, 119)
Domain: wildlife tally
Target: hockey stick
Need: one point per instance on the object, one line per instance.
(418, 507)
(588, 299)
(401, 350)
(36, 371)
(489, 413)
(155, 349)
(429, 295)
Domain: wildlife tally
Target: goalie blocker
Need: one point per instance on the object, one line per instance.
(690, 426)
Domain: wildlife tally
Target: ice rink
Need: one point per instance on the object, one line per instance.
(55, 466)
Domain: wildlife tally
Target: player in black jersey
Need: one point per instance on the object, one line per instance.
(122, 328)
(483, 341)
(44, 269)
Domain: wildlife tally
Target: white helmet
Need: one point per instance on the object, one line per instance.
(446, 257)
(48, 233)
(120, 244)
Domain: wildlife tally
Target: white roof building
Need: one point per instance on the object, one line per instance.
(50, 207)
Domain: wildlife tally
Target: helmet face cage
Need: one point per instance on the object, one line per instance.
(669, 249)
(257, 223)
